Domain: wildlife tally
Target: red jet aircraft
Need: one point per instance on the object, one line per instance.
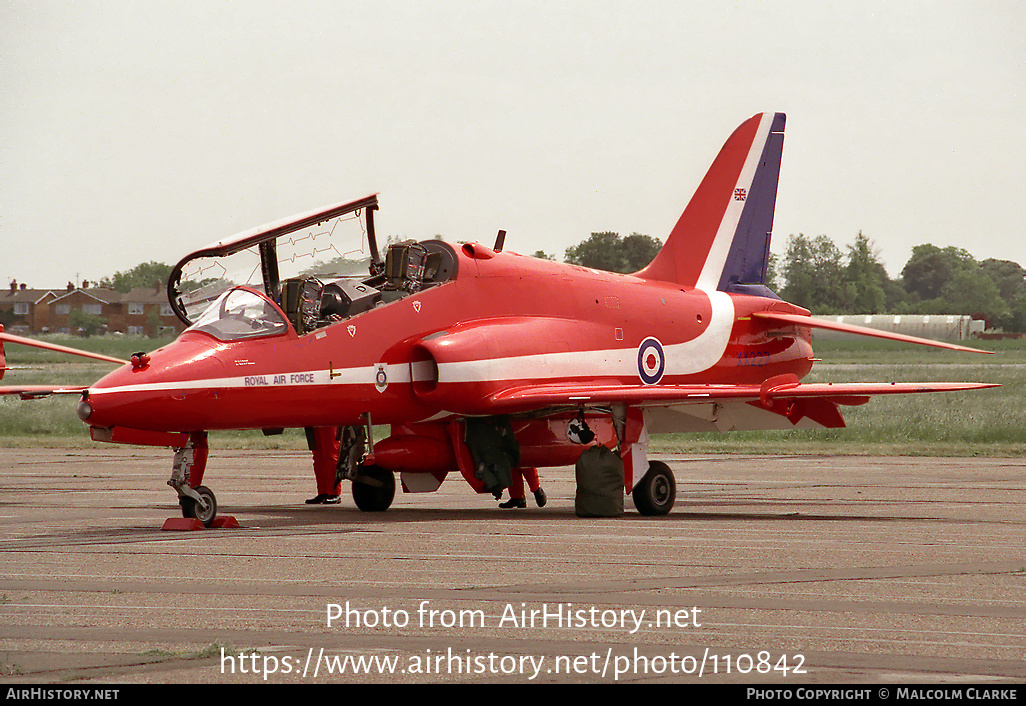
(477, 357)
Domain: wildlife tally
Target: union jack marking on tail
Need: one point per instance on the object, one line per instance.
(740, 194)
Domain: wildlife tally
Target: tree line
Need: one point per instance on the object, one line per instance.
(819, 276)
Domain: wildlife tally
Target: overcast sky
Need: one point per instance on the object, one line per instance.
(137, 131)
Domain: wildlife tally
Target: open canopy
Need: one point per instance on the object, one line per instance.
(321, 241)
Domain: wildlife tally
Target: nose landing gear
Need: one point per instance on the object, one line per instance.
(191, 460)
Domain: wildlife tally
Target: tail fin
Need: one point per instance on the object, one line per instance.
(722, 239)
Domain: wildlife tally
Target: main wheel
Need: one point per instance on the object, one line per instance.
(373, 488)
(655, 492)
(204, 510)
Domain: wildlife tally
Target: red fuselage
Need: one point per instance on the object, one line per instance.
(502, 320)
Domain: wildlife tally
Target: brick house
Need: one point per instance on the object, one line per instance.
(140, 312)
(145, 311)
(95, 301)
(24, 310)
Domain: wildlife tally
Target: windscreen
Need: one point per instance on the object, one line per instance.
(238, 314)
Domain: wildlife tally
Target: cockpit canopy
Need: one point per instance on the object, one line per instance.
(338, 238)
(320, 267)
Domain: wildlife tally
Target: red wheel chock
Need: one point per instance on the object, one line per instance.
(184, 524)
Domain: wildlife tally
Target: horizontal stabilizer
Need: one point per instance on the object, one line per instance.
(860, 330)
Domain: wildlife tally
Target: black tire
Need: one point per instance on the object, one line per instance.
(656, 492)
(204, 511)
(377, 494)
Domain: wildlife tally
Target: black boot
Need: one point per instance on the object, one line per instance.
(513, 502)
(323, 499)
(540, 497)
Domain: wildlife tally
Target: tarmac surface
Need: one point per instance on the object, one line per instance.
(793, 570)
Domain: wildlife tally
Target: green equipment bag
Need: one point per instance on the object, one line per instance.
(599, 483)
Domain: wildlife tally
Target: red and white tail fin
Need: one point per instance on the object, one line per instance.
(721, 241)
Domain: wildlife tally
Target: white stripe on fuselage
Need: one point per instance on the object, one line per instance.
(689, 357)
(712, 270)
(694, 356)
(365, 375)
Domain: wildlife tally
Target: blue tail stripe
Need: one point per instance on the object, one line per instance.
(749, 251)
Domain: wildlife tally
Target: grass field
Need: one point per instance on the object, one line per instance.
(984, 422)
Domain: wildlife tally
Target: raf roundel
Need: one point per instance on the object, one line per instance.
(651, 361)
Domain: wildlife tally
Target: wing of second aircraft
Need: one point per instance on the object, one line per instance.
(33, 391)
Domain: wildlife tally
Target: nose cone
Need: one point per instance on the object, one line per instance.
(161, 394)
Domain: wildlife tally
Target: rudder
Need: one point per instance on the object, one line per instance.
(721, 241)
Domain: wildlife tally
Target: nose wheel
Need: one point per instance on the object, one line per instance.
(203, 507)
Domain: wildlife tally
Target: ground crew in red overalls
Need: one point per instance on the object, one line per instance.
(516, 489)
(323, 443)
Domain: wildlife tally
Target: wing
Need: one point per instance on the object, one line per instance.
(11, 338)
(28, 392)
(33, 391)
(783, 396)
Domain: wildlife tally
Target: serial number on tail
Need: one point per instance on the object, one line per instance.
(752, 359)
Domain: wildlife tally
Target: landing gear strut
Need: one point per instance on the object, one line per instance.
(373, 486)
(198, 502)
(656, 491)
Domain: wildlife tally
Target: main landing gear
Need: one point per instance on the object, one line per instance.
(373, 488)
(656, 491)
